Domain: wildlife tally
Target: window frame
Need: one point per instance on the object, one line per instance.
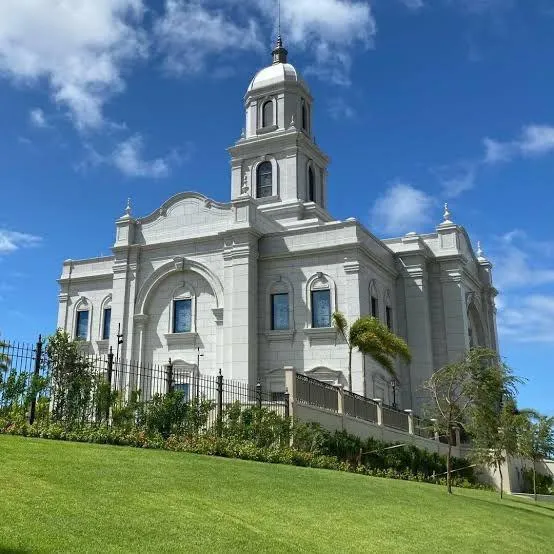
(78, 314)
(327, 291)
(104, 335)
(268, 103)
(311, 184)
(259, 187)
(273, 295)
(176, 301)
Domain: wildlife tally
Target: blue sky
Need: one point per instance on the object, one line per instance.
(418, 102)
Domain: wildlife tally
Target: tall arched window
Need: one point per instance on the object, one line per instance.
(267, 114)
(264, 180)
(304, 115)
(311, 185)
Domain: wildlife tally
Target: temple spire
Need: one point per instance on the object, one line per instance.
(279, 52)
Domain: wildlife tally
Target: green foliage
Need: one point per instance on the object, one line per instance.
(544, 483)
(72, 380)
(371, 338)
(169, 414)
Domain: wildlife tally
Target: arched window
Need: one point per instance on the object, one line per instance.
(373, 300)
(182, 310)
(321, 300)
(304, 115)
(267, 114)
(106, 316)
(264, 180)
(388, 311)
(311, 185)
(281, 302)
(82, 320)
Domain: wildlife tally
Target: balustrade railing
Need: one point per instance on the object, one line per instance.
(316, 393)
(360, 407)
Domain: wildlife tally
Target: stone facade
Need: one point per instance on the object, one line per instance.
(276, 236)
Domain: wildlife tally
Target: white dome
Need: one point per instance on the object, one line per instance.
(275, 74)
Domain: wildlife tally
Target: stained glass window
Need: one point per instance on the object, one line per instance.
(264, 185)
(182, 316)
(107, 323)
(280, 311)
(82, 325)
(267, 114)
(321, 308)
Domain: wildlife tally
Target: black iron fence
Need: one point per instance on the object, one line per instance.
(78, 389)
(360, 407)
(316, 393)
(395, 418)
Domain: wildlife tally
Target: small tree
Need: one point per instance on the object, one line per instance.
(4, 358)
(536, 440)
(455, 389)
(371, 338)
(495, 435)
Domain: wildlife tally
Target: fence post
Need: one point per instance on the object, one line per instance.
(410, 421)
(219, 403)
(36, 373)
(379, 403)
(340, 399)
(259, 394)
(169, 376)
(109, 378)
(290, 387)
(287, 403)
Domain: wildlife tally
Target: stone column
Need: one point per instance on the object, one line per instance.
(410, 421)
(290, 387)
(240, 326)
(418, 322)
(379, 402)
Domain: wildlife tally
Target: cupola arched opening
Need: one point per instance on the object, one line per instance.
(311, 185)
(267, 114)
(264, 180)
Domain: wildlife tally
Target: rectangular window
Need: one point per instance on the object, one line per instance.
(388, 315)
(321, 308)
(106, 324)
(374, 307)
(279, 311)
(82, 325)
(182, 316)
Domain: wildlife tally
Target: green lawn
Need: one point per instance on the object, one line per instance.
(69, 497)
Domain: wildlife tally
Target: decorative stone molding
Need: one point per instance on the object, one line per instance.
(280, 335)
(351, 268)
(218, 314)
(140, 320)
(321, 334)
(181, 339)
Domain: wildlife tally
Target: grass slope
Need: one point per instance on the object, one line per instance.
(69, 497)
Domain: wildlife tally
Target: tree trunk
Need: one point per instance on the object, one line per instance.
(449, 463)
(350, 368)
(501, 480)
(535, 480)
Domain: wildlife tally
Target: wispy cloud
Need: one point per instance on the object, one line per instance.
(534, 140)
(128, 156)
(340, 109)
(10, 241)
(37, 118)
(79, 48)
(413, 4)
(402, 208)
(457, 178)
(527, 319)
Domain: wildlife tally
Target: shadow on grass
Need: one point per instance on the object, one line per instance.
(515, 505)
(4, 550)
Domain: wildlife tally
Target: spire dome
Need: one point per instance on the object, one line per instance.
(279, 52)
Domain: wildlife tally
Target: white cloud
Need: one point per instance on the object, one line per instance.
(190, 32)
(128, 158)
(456, 179)
(520, 262)
(10, 241)
(78, 47)
(37, 118)
(401, 209)
(527, 319)
(534, 140)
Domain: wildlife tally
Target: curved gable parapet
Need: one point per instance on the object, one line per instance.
(169, 205)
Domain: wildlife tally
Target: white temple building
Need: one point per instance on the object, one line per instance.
(252, 283)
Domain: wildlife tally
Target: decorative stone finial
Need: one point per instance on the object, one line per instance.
(446, 214)
(480, 252)
(279, 52)
(292, 124)
(128, 208)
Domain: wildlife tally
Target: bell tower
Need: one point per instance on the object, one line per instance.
(276, 160)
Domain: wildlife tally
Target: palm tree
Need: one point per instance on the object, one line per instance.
(371, 338)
